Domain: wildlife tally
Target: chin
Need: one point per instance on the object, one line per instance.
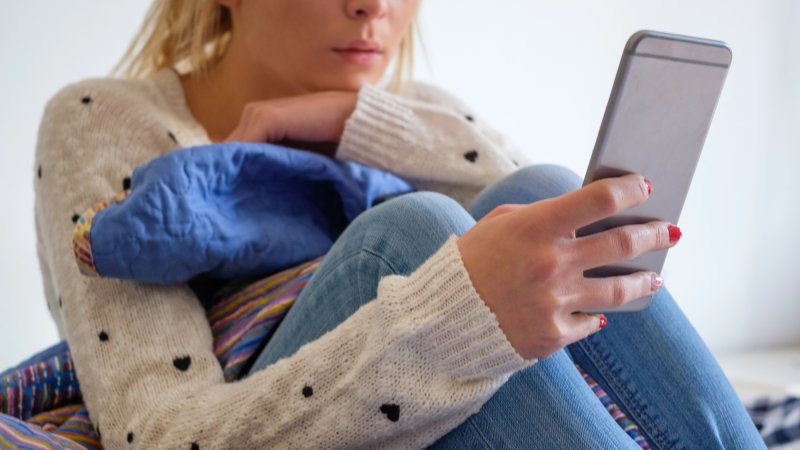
(347, 82)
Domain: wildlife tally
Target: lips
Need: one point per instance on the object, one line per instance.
(362, 52)
(364, 45)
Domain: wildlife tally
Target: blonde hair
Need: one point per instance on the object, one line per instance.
(192, 35)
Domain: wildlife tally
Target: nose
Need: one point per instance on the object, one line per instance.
(365, 9)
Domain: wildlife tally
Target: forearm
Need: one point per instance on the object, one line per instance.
(432, 140)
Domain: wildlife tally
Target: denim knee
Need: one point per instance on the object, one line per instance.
(427, 211)
(527, 185)
(406, 230)
(393, 238)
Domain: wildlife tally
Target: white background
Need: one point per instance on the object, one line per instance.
(539, 71)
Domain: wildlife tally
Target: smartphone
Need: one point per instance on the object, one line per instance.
(655, 124)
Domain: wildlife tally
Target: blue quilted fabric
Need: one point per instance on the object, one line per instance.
(232, 210)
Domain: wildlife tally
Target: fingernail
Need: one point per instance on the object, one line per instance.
(657, 282)
(649, 186)
(603, 321)
(674, 234)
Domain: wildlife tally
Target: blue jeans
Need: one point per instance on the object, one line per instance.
(651, 363)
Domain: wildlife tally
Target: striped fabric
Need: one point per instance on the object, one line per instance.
(39, 403)
(39, 387)
(35, 393)
(70, 422)
(622, 420)
(243, 321)
(15, 433)
(81, 242)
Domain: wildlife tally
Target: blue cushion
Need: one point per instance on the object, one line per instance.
(232, 210)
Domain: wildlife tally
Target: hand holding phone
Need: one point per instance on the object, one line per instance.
(664, 96)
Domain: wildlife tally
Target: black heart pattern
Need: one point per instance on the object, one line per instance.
(392, 412)
(182, 363)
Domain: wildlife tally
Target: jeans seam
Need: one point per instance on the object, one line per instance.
(643, 420)
(478, 432)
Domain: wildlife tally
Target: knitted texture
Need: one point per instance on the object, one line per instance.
(45, 391)
(402, 371)
(437, 144)
(242, 319)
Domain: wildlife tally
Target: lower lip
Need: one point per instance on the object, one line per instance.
(361, 58)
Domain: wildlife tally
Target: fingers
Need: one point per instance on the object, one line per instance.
(248, 130)
(315, 117)
(260, 122)
(598, 200)
(568, 324)
(613, 292)
(584, 325)
(621, 244)
(594, 294)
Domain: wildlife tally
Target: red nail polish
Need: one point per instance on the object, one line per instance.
(674, 234)
(649, 186)
(603, 322)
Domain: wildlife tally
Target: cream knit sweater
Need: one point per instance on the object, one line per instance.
(428, 345)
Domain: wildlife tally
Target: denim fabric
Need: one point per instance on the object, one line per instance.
(652, 363)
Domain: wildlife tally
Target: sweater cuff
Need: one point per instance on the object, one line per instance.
(453, 325)
(377, 128)
(82, 235)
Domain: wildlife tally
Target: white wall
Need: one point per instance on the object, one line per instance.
(542, 73)
(539, 71)
(44, 45)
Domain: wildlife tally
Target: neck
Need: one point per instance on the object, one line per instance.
(217, 99)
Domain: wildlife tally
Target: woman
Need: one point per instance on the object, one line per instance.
(413, 334)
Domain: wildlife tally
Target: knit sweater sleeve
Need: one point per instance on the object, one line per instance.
(431, 138)
(399, 373)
